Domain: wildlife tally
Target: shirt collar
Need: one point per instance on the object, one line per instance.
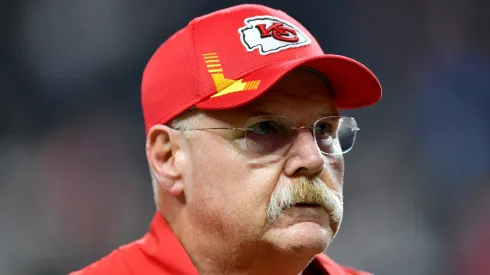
(161, 245)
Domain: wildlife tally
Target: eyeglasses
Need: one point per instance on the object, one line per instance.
(334, 135)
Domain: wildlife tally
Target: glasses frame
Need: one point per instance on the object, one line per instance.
(297, 129)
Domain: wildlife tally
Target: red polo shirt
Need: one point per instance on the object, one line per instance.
(160, 253)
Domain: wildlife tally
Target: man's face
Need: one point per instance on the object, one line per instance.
(228, 187)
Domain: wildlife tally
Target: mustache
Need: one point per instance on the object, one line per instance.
(303, 190)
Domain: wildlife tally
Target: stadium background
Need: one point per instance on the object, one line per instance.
(73, 178)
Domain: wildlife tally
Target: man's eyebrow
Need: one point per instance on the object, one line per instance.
(329, 113)
(261, 113)
(266, 113)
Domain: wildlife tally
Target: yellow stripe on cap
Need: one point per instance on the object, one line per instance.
(215, 70)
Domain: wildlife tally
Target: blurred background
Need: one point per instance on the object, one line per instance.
(74, 181)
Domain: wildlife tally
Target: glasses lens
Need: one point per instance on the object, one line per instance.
(335, 135)
(269, 134)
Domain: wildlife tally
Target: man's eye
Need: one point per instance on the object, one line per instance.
(265, 127)
(323, 128)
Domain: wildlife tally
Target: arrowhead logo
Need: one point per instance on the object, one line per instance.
(270, 35)
(224, 85)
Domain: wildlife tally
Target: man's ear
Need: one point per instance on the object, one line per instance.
(164, 154)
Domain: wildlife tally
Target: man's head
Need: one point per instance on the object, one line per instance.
(245, 142)
(245, 196)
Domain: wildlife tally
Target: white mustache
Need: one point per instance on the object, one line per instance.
(309, 191)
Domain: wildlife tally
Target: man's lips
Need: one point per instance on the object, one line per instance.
(312, 206)
(306, 212)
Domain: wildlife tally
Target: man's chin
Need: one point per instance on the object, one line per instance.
(296, 230)
(300, 238)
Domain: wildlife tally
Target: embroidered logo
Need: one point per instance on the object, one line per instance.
(222, 84)
(270, 35)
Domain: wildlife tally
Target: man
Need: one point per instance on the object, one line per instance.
(245, 145)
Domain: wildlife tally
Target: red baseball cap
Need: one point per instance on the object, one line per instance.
(228, 58)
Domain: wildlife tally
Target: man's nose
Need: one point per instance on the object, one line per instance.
(304, 157)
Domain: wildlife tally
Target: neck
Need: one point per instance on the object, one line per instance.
(214, 254)
(254, 262)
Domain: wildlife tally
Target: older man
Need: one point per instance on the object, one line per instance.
(245, 145)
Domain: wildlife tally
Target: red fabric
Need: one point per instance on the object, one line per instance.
(178, 77)
(160, 253)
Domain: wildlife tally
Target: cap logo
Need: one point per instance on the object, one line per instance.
(270, 35)
(222, 84)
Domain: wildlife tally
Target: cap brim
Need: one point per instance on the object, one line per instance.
(353, 84)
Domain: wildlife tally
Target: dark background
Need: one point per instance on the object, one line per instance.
(74, 182)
